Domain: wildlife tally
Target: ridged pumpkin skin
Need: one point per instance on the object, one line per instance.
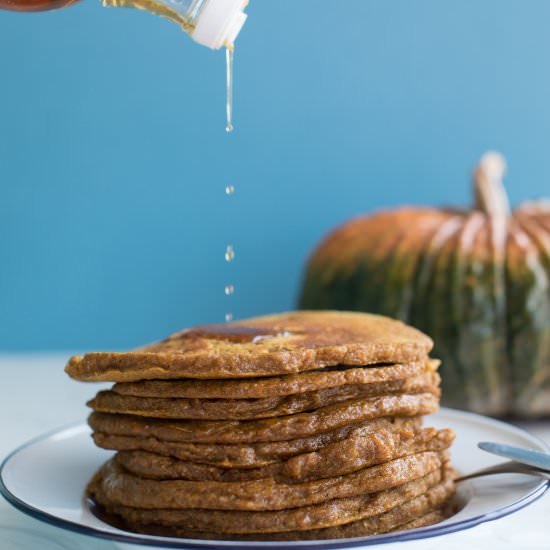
(476, 281)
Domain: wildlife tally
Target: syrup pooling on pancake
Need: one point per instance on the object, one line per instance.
(305, 341)
(232, 333)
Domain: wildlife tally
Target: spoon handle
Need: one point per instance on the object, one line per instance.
(525, 456)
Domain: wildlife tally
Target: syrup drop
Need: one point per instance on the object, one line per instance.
(229, 253)
(229, 189)
(228, 317)
(229, 289)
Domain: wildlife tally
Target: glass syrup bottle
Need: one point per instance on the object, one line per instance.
(212, 23)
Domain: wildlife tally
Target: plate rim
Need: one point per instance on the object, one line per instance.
(167, 542)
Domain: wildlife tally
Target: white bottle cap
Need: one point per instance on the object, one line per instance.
(219, 23)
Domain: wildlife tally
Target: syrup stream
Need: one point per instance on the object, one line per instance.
(229, 54)
(229, 189)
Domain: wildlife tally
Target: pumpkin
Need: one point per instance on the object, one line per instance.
(476, 281)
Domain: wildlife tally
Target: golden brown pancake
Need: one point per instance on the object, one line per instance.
(250, 409)
(275, 386)
(162, 438)
(286, 427)
(286, 343)
(354, 453)
(426, 509)
(327, 514)
(431, 518)
(125, 489)
(301, 425)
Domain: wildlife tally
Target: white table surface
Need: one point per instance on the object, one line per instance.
(37, 396)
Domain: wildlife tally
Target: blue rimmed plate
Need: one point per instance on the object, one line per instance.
(45, 478)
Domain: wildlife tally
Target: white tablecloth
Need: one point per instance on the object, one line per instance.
(37, 396)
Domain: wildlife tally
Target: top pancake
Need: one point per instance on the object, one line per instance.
(273, 345)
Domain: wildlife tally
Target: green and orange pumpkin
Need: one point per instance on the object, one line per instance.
(477, 281)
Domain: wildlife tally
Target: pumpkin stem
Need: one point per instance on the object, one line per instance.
(490, 195)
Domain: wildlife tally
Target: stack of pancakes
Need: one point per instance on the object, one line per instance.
(304, 425)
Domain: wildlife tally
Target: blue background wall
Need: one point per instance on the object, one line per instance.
(114, 159)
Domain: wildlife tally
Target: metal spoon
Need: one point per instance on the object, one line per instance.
(525, 461)
(537, 459)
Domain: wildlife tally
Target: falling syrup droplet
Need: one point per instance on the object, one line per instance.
(229, 189)
(229, 253)
(228, 317)
(229, 289)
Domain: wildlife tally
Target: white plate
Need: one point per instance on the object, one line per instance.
(46, 477)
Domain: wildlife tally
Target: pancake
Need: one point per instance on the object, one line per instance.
(286, 343)
(286, 427)
(431, 518)
(426, 509)
(162, 438)
(296, 426)
(249, 409)
(124, 489)
(275, 386)
(327, 514)
(354, 453)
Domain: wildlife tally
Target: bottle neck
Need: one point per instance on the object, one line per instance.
(212, 23)
(219, 22)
